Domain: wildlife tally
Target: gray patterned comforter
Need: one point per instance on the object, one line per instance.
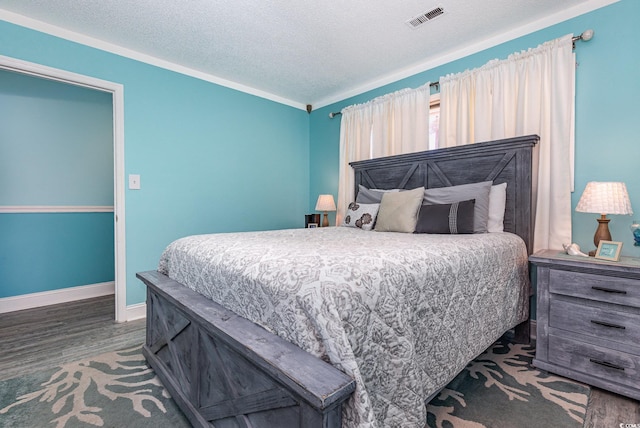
(401, 313)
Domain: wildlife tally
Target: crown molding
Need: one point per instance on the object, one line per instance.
(454, 55)
(445, 58)
(83, 39)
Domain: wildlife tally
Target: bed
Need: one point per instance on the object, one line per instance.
(293, 334)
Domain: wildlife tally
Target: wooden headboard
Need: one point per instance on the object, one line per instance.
(508, 160)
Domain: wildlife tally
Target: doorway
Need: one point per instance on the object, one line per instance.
(117, 94)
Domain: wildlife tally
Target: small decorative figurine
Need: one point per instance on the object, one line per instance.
(574, 250)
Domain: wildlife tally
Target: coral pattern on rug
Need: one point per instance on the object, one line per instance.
(499, 389)
(505, 370)
(120, 375)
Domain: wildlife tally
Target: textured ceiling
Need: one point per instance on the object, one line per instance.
(304, 52)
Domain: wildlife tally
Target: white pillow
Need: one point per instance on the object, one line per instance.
(497, 203)
(361, 215)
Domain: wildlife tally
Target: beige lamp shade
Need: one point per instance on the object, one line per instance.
(325, 203)
(605, 198)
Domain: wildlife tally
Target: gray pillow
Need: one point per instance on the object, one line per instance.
(371, 196)
(464, 192)
(399, 211)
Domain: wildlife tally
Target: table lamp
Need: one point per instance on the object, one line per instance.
(325, 203)
(604, 198)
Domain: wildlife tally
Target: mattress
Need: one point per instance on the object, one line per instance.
(400, 313)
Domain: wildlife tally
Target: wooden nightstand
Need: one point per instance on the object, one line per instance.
(588, 320)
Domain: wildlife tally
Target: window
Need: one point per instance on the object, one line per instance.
(434, 121)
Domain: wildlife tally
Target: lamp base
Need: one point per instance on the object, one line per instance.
(602, 233)
(325, 220)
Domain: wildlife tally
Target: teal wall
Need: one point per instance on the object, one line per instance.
(43, 252)
(607, 94)
(56, 143)
(211, 159)
(56, 148)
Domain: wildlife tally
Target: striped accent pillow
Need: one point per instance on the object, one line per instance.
(454, 218)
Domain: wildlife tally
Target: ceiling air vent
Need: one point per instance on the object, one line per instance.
(417, 21)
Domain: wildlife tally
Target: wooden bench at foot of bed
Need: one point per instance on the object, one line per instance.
(224, 370)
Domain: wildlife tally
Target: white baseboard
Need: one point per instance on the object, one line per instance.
(136, 312)
(63, 295)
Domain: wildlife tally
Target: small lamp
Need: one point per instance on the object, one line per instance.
(325, 203)
(604, 198)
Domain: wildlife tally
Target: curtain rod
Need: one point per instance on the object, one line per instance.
(585, 36)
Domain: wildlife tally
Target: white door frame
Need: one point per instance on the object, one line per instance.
(117, 94)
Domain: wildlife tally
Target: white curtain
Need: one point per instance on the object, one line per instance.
(531, 92)
(389, 125)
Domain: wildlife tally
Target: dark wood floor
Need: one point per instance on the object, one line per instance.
(41, 338)
(607, 409)
(36, 339)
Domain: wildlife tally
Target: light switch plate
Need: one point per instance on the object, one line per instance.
(134, 181)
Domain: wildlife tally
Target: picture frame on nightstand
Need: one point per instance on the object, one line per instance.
(609, 250)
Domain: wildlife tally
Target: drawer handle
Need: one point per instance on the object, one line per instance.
(609, 290)
(606, 324)
(607, 364)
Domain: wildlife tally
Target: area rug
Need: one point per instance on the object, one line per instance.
(116, 389)
(500, 388)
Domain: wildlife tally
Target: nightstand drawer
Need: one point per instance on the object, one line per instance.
(595, 361)
(607, 324)
(603, 288)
